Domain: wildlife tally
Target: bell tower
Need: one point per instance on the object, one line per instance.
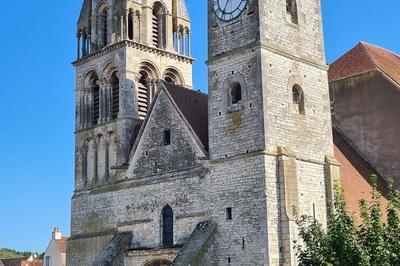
(269, 124)
(124, 48)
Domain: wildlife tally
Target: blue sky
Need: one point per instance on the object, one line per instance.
(37, 100)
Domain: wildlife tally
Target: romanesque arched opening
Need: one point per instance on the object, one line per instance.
(298, 99)
(159, 25)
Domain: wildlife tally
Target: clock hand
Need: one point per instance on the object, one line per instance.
(226, 4)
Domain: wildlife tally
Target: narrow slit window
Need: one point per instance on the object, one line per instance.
(167, 137)
(298, 99)
(228, 213)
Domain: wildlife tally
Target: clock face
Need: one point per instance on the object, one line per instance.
(227, 10)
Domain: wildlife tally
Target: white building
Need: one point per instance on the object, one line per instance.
(55, 254)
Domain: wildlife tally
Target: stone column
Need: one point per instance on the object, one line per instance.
(138, 32)
(126, 24)
(169, 33)
(178, 40)
(147, 25)
(188, 36)
(78, 38)
(183, 41)
(121, 30)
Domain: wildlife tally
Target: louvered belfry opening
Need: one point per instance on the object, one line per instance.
(158, 25)
(143, 94)
(96, 100)
(115, 95)
(104, 27)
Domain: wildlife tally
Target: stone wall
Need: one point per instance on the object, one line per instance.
(366, 109)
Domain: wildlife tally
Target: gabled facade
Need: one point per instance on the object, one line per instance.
(168, 175)
(56, 252)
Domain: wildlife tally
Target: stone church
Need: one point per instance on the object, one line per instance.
(167, 175)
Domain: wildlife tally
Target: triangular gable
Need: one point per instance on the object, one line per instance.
(148, 131)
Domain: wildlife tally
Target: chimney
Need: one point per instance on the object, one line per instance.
(56, 234)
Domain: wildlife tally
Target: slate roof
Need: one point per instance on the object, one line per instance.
(364, 58)
(194, 107)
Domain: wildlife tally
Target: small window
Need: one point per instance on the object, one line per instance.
(236, 93)
(167, 226)
(291, 10)
(48, 260)
(298, 99)
(228, 213)
(167, 137)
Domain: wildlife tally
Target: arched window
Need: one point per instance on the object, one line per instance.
(96, 100)
(159, 30)
(291, 10)
(115, 94)
(143, 94)
(167, 227)
(130, 25)
(235, 92)
(298, 99)
(102, 26)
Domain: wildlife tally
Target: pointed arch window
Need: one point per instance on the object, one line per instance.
(159, 25)
(291, 10)
(167, 227)
(115, 94)
(298, 99)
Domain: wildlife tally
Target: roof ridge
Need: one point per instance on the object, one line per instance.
(187, 88)
(380, 47)
(369, 55)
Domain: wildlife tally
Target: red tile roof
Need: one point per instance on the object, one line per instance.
(62, 244)
(20, 262)
(194, 107)
(365, 58)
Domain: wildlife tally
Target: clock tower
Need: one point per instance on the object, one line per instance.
(270, 133)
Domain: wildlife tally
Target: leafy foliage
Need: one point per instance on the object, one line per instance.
(372, 243)
(6, 253)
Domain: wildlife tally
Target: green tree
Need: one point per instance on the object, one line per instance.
(372, 243)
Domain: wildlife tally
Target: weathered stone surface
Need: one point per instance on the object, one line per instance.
(263, 155)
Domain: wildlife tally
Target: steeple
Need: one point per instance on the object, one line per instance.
(124, 48)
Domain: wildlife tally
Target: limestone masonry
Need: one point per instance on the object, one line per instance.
(167, 175)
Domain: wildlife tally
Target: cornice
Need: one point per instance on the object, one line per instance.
(135, 45)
